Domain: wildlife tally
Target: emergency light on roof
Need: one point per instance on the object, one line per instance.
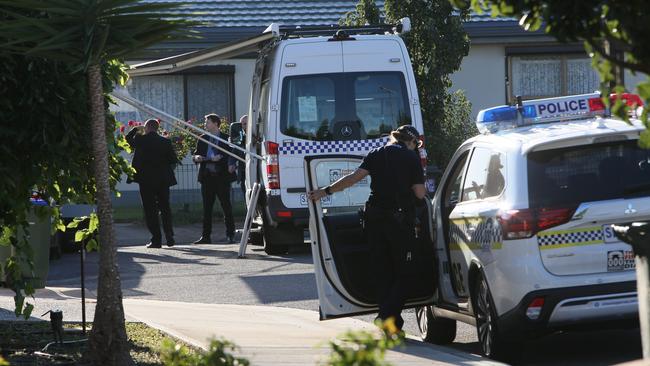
(540, 111)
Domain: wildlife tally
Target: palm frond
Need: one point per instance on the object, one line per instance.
(89, 30)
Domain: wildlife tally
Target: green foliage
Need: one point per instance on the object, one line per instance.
(362, 348)
(87, 32)
(366, 11)
(3, 362)
(437, 44)
(44, 141)
(457, 127)
(44, 101)
(615, 34)
(173, 354)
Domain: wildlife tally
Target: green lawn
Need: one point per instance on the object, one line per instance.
(182, 214)
(20, 340)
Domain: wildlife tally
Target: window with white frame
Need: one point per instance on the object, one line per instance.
(543, 76)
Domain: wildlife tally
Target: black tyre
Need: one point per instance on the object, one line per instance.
(256, 238)
(434, 329)
(493, 344)
(273, 241)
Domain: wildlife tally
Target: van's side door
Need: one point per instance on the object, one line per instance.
(345, 274)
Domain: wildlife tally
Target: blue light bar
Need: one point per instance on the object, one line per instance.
(540, 111)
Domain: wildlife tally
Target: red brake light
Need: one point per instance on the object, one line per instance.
(272, 164)
(521, 224)
(286, 214)
(272, 148)
(535, 308)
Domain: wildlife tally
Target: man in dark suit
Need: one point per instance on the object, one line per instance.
(215, 175)
(154, 161)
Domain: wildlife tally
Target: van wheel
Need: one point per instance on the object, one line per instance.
(256, 238)
(493, 343)
(272, 241)
(434, 329)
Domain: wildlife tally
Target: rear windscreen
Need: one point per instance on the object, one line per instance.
(343, 106)
(588, 173)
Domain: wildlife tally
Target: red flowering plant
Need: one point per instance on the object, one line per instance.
(182, 138)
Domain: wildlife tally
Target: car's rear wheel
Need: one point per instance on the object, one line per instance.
(434, 329)
(493, 344)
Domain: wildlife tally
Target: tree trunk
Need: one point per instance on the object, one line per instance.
(107, 343)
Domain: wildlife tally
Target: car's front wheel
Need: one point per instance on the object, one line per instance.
(493, 344)
(434, 329)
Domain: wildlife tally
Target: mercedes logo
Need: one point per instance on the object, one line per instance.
(346, 131)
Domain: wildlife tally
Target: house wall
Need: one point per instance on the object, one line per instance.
(188, 189)
(482, 77)
(631, 81)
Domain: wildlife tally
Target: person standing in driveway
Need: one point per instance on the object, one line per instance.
(397, 183)
(154, 161)
(215, 172)
(241, 141)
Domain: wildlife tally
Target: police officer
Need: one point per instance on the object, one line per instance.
(397, 183)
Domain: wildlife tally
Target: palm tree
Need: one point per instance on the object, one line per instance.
(89, 33)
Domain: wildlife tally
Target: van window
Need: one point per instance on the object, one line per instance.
(588, 173)
(343, 106)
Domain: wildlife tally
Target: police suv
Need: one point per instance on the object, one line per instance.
(518, 239)
(524, 217)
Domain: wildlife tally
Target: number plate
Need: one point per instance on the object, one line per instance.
(608, 234)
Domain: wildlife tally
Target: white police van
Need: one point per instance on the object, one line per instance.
(316, 91)
(520, 224)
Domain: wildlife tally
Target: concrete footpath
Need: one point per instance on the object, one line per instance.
(266, 335)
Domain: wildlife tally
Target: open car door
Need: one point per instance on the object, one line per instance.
(345, 274)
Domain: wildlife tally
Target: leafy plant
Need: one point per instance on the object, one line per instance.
(86, 37)
(173, 354)
(437, 44)
(615, 35)
(362, 348)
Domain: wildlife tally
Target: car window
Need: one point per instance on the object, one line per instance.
(452, 189)
(344, 106)
(485, 175)
(588, 173)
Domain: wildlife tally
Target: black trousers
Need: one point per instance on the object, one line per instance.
(389, 238)
(155, 199)
(212, 187)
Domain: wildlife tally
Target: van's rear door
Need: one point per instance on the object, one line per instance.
(302, 62)
(345, 275)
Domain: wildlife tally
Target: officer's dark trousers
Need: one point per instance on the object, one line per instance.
(388, 242)
(211, 187)
(155, 199)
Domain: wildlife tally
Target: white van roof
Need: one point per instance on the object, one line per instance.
(253, 44)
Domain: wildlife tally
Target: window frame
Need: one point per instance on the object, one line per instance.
(562, 53)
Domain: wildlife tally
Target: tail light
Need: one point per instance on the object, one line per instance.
(535, 308)
(272, 164)
(521, 224)
(423, 155)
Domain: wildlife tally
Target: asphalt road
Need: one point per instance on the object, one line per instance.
(211, 273)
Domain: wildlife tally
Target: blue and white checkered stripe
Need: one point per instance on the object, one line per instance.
(332, 147)
(586, 236)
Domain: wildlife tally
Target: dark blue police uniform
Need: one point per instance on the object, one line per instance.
(390, 222)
